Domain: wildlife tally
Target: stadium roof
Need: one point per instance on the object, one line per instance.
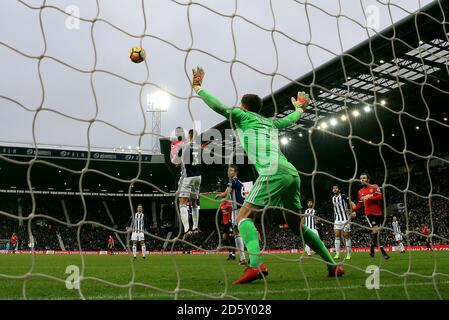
(400, 76)
(406, 60)
(405, 66)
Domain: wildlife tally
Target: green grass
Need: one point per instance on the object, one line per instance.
(210, 276)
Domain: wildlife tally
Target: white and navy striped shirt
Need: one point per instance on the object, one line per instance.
(396, 227)
(139, 222)
(310, 219)
(340, 202)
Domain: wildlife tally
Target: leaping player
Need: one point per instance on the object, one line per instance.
(189, 184)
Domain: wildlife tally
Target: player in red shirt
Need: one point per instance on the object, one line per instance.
(111, 244)
(13, 242)
(425, 231)
(370, 197)
(226, 227)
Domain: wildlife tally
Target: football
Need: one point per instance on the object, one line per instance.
(137, 54)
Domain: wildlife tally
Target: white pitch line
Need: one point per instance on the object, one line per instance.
(189, 294)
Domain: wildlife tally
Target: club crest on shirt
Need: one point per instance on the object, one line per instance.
(371, 190)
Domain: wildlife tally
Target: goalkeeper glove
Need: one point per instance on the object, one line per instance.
(197, 79)
(301, 101)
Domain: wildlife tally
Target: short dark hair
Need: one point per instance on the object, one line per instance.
(233, 166)
(178, 133)
(192, 133)
(365, 174)
(336, 185)
(252, 102)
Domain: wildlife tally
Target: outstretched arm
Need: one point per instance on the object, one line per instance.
(300, 104)
(225, 193)
(212, 102)
(288, 120)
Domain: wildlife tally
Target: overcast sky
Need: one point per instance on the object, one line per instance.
(256, 51)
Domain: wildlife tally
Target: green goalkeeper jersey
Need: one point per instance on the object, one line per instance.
(258, 136)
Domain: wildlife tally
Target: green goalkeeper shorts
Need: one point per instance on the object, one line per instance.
(280, 190)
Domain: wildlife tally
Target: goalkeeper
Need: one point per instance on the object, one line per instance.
(278, 183)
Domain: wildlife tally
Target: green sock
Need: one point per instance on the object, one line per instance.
(250, 238)
(314, 242)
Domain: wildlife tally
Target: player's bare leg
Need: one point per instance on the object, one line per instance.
(135, 249)
(376, 242)
(195, 216)
(401, 246)
(296, 224)
(337, 234)
(184, 212)
(347, 237)
(240, 246)
(144, 248)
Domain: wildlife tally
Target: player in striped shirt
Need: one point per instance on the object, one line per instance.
(138, 224)
(397, 233)
(310, 222)
(278, 183)
(342, 226)
(235, 191)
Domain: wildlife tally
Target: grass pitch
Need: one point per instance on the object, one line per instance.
(413, 275)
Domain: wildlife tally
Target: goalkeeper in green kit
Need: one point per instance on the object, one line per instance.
(278, 183)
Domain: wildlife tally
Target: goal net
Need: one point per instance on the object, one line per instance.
(86, 137)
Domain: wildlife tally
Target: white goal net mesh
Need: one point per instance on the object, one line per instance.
(378, 88)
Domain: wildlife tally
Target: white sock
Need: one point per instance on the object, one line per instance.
(195, 217)
(240, 247)
(308, 250)
(348, 246)
(134, 250)
(184, 212)
(144, 249)
(337, 246)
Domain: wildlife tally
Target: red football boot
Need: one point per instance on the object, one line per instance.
(250, 274)
(263, 268)
(336, 270)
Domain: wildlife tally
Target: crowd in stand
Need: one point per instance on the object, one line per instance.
(420, 209)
